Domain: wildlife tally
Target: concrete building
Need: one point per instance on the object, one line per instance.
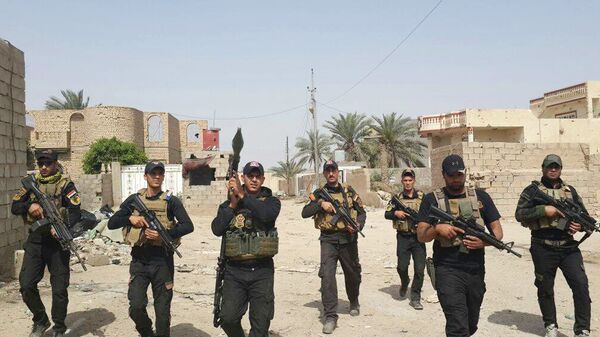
(13, 147)
(504, 148)
(161, 135)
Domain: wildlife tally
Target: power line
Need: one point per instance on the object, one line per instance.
(389, 54)
(247, 117)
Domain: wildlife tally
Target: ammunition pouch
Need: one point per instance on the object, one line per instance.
(250, 245)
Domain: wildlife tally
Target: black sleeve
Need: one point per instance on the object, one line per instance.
(221, 222)
(184, 224)
(121, 217)
(72, 202)
(310, 209)
(20, 203)
(361, 216)
(266, 211)
(489, 212)
(425, 209)
(577, 198)
(389, 211)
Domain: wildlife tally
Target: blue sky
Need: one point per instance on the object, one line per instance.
(244, 58)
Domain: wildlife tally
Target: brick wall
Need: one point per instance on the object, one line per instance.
(12, 150)
(95, 190)
(204, 199)
(505, 169)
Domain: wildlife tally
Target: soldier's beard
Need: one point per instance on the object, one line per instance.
(456, 188)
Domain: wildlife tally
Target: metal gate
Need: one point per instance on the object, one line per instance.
(132, 179)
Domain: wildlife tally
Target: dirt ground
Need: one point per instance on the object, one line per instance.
(98, 297)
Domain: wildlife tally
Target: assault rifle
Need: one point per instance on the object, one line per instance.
(412, 214)
(573, 213)
(471, 228)
(234, 161)
(154, 224)
(52, 218)
(107, 211)
(340, 213)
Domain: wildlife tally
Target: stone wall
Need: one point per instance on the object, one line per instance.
(13, 147)
(164, 146)
(204, 199)
(95, 190)
(505, 169)
(196, 145)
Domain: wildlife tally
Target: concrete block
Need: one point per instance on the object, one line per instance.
(96, 260)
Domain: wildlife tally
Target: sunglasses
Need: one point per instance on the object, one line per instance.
(46, 163)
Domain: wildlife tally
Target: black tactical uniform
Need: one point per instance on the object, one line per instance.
(42, 249)
(408, 245)
(250, 243)
(151, 262)
(459, 273)
(337, 244)
(552, 248)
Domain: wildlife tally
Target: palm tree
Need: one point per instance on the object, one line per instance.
(398, 137)
(306, 148)
(287, 170)
(72, 100)
(349, 131)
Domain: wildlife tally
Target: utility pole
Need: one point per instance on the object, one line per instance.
(312, 108)
(287, 150)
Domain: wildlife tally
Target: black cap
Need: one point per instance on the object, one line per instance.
(551, 159)
(452, 164)
(46, 154)
(154, 165)
(408, 172)
(330, 163)
(253, 166)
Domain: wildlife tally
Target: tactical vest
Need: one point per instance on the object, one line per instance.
(346, 199)
(467, 207)
(563, 192)
(405, 225)
(55, 192)
(135, 236)
(245, 241)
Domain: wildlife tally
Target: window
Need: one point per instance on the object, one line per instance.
(193, 133)
(155, 132)
(566, 115)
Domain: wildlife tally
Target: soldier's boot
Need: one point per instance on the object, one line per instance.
(416, 304)
(329, 326)
(354, 309)
(551, 331)
(39, 329)
(404, 289)
(583, 333)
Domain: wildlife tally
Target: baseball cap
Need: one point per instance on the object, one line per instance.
(552, 159)
(452, 164)
(408, 172)
(154, 165)
(46, 154)
(252, 166)
(330, 163)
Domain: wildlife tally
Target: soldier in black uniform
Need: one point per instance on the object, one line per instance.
(553, 248)
(337, 243)
(247, 223)
(42, 249)
(406, 237)
(459, 260)
(151, 262)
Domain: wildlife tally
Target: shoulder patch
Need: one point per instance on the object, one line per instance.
(168, 195)
(73, 196)
(20, 194)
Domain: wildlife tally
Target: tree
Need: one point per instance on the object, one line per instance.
(287, 170)
(306, 148)
(72, 100)
(105, 151)
(349, 130)
(398, 137)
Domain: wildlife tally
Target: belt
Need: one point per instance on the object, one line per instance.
(553, 243)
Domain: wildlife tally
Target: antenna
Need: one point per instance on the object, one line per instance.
(312, 108)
